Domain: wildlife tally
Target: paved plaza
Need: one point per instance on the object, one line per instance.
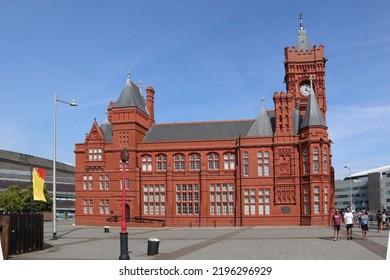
(214, 243)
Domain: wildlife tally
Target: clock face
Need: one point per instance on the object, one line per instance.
(305, 89)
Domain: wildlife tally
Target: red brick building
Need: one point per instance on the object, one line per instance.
(272, 170)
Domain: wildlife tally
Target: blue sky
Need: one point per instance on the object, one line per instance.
(207, 60)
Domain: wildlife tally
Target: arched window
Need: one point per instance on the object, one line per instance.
(161, 162)
(213, 161)
(146, 163)
(195, 162)
(229, 161)
(178, 161)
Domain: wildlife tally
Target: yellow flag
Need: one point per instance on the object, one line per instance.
(39, 175)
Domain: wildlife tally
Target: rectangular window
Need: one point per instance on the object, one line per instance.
(229, 161)
(186, 199)
(264, 201)
(246, 209)
(306, 200)
(245, 163)
(104, 206)
(219, 212)
(316, 208)
(213, 161)
(85, 182)
(106, 182)
(195, 162)
(263, 161)
(154, 199)
(250, 201)
(161, 162)
(305, 161)
(307, 208)
(95, 154)
(179, 163)
(315, 160)
(101, 182)
(90, 206)
(218, 193)
(101, 206)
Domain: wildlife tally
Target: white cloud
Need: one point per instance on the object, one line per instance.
(361, 137)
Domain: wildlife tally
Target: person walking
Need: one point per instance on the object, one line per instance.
(336, 221)
(364, 224)
(379, 221)
(349, 221)
(383, 219)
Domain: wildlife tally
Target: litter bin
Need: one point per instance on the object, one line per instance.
(153, 244)
(106, 229)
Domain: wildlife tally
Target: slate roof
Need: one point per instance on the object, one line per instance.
(198, 131)
(262, 125)
(313, 116)
(131, 96)
(106, 128)
(303, 43)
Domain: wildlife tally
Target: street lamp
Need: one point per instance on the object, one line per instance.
(123, 234)
(73, 103)
(350, 184)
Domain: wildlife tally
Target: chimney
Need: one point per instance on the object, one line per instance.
(150, 104)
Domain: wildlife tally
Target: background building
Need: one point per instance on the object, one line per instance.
(272, 170)
(370, 190)
(16, 169)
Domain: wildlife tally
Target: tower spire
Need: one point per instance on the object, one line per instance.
(301, 28)
(303, 43)
(311, 83)
(128, 81)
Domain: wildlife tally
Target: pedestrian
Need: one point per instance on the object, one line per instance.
(360, 214)
(336, 221)
(379, 221)
(384, 219)
(364, 223)
(349, 221)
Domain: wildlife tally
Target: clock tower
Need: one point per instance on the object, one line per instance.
(303, 63)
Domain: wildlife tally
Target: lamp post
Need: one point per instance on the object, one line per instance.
(123, 234)
(350, 185)
(73, 103)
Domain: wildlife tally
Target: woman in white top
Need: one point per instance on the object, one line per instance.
(383, 219)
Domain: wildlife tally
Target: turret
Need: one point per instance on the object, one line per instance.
(150, 104)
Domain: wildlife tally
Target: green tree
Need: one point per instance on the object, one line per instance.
(21, 200)
(11, 200)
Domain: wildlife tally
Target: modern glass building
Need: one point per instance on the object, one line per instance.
(368, 190)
